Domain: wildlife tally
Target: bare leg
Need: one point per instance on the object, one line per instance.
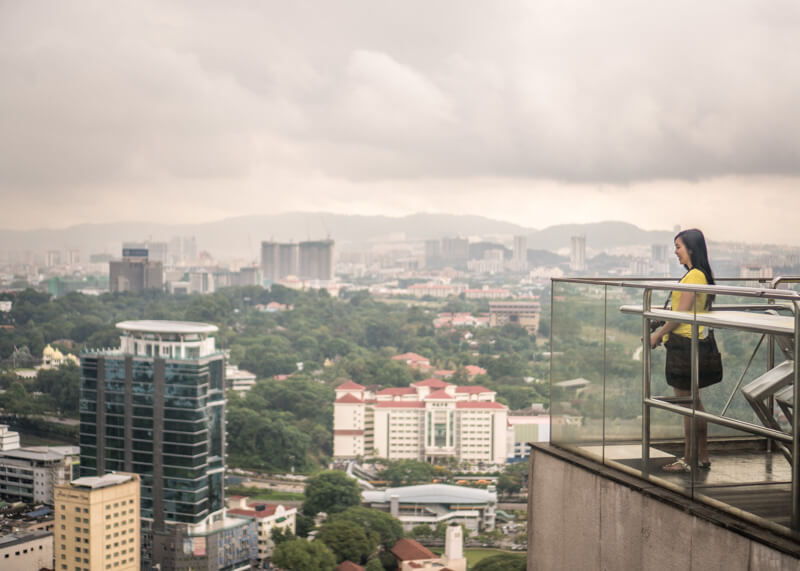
(702, 431)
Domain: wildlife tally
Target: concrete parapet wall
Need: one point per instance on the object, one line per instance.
(581, 518)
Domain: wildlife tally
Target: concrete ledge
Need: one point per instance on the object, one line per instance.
(585, 515)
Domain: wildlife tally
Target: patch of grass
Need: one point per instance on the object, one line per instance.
(264, 494)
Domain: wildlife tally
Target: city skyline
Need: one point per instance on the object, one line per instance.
(538, 115)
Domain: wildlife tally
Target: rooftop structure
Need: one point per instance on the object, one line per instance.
(431, 420)
(602, 468)
(432, 504)
(9, 440)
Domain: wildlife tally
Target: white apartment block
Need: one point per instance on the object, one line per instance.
(267, 516)
(31, 474)
(428, 421)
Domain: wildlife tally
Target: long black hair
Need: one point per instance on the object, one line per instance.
(695, 243)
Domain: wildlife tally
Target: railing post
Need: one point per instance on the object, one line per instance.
(646, 302)
(692, 459)
(796, 423)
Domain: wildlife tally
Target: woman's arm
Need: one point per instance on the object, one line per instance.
(685, 303)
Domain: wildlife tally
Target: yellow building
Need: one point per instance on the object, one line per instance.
(97, 523)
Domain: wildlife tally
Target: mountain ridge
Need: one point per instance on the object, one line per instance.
(241, 236)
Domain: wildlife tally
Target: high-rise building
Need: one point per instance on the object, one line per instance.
(520, 258)
(455, 251)
(270, 261)
(577, 254)
(312, 260)
(287, 260)
(135, 272)
(99, 523)
(156, 407)
(433, 253)
(316, 260)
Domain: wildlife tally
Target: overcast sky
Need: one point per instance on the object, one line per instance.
(539, 113)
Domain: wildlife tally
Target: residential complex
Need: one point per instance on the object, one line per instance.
(267, 517)
(312, 260)
(97, 523)
(155, 407)
(432, 420)
(30, 474)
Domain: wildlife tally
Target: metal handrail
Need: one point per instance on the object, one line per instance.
(771, 294)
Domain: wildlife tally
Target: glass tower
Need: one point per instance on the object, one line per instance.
(156, 407)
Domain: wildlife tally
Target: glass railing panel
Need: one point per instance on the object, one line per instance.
(577, 373)
(622, 407)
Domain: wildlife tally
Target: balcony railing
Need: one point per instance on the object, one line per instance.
(610, 401)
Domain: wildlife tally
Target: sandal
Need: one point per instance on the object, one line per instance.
(679, 465)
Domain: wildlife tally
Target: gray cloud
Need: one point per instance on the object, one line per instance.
(152, 97)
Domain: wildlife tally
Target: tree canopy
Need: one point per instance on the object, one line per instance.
(331, 492)
(302, 555)
(348, 540)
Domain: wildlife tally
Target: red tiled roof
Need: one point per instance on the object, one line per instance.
(349, 399)
(397, 391)
(348, 566)
(480, 404)
(474, 389)
(473, 370)
(349, 386)
(269, 509)
(409, 550)
(348, 432)
(399, 404)
(433, 383)
(440, 394)
(410, 357)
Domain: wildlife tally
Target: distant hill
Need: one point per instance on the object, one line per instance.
(240, 237)
(599, 236)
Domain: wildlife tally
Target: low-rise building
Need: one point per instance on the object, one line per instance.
(431, 504)
(267, 517)
(523, 313)
(9, 440)
(238, 380)
(31, 474)
(26, 551)
(413, 556)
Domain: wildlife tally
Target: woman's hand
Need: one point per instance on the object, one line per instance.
(655, 339)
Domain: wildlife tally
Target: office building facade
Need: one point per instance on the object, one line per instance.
(135, 272)
(155, 407)
(97, 523)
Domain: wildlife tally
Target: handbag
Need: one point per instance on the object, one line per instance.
(678, 367)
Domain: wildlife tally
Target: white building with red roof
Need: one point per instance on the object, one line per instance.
(268, 516)
(430, 420)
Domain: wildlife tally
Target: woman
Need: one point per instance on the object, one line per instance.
(690, 248)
